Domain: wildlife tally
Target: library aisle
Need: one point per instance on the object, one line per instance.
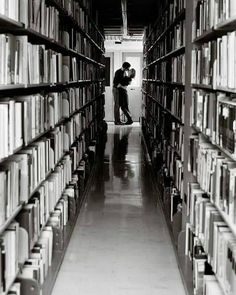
(120, 244)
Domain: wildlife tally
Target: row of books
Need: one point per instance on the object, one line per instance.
(167, 128)
(18, 57)
(214, 115)
(170, 136)
(80, 15)
(173, 165)
(216, 238)
(171, 41)
(210, 13)
(203, 112)
(76, 41)
(166, 19)
(172, 70)
(38, 230)
(213, 62)
(204, 280)
(21, 175)
(28, 244)
(43, 18)
(15, 9)
(215, 173)
(38, 114)
(178, 69)
(171, 99)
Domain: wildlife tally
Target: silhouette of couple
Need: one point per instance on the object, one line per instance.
(122, 79)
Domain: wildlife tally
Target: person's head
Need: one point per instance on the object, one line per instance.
(126, 65)
(132, 73)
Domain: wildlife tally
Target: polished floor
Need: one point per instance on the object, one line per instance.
(120, 244)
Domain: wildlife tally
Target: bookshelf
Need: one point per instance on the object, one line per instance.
(51, 116)
(164, 100)
(204, 185)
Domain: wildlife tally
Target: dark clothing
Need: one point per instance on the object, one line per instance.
(119, 75)
(120, 95)
(123, 97)
(125, 81)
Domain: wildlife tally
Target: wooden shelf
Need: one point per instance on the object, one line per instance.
(7, 23)
(216, 89)
(173, 53)
(91, 19)
(227, 25)
(37, 38)
(171, 84)
(13, 90)
(43, 134)
(59, 256)
(156, 23)
(5, 225)
(218, 31)
(61, 158)
(179, 18)
(202, 86)
(178, 120)
(224, 151)
(73, 22)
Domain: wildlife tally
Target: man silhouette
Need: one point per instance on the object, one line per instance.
(118, 78)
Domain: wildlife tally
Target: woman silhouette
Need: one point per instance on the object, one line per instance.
(123, 95)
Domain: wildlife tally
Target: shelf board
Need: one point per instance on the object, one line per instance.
(227, 25)
(10, 219)
(202, 86)
(215, 89)
(7, 23)
(31, 88)
(218, 31)
(173, 53)
(225, 89)
(224, 151)
(173, 84)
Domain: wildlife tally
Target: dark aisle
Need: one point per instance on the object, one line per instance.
(121, 244)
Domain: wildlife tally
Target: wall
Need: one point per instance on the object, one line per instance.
(115, 52)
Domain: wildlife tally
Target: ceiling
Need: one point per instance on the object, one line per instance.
(139, 14)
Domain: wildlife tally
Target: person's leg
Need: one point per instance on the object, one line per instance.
(116, 106)
(125, 107)
(127, 114)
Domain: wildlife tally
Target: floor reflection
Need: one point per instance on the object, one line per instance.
(122, 168)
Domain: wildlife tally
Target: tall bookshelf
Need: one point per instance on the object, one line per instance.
(203, 227)
(164, 105)
(51, 116)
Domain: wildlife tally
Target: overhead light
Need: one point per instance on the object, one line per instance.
(124, 17)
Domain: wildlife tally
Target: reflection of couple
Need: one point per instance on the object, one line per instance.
(122, 79)
(122, 167)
